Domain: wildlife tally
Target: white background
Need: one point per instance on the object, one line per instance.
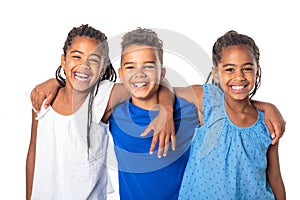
(33, 32)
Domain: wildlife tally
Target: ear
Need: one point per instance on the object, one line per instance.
(258, 71)
(215, 75)
(63, 61)
(163, 73)
(120, 74)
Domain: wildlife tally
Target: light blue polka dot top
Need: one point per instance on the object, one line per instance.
(226, 161)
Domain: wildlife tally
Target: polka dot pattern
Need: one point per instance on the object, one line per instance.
(226, 161)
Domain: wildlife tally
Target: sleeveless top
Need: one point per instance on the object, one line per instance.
(226, 161)
(64, 169)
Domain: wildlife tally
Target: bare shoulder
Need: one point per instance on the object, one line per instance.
(190, 93)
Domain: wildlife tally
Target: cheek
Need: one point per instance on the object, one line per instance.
(125, 78)
(96, 73)
(67, 72)
(154, 76)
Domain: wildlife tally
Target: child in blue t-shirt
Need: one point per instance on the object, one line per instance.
(143, 176)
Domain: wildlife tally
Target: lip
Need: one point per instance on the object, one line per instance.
(140, 85)
(80, 76)
(238, 88)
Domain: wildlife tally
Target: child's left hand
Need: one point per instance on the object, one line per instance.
(164, 131)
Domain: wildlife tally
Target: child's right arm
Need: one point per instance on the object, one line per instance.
(30, 161)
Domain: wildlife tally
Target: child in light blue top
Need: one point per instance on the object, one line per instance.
(231, 154)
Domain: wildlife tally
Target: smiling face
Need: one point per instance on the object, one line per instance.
(82, 64)
(141, 74)
(236, 72)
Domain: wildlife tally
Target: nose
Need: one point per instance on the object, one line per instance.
(85, 65)
(139, 72)
(239, 75)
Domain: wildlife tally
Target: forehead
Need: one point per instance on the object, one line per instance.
(85, 44)
(139, 51)
(240, 52)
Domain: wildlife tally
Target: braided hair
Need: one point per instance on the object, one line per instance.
(110, 74)
(232, 38)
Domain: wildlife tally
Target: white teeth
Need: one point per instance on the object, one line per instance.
(139, 84)
(80, 75)
(237, 87)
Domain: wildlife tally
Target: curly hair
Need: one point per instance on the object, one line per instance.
(143, 36)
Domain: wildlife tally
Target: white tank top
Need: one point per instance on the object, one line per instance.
(64, 169)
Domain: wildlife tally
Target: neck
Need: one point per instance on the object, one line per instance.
(147, 104)
(241, 112)
(69, 101)
(238, 106)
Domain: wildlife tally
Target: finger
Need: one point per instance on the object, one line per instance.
(153, 143)
(48, 100)
(147, 131)
(160, 147)
(161, 144)
(173, 140)
(35, 102)
(32, 98)
(278, 133)
(40, 99)
(167, 143)
(271, 129)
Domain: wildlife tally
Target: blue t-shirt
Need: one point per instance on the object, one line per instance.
(141, 175)
(226, 161)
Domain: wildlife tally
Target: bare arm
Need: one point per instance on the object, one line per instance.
(30, 161)
(193, 94)
(273, 173)
(118, 95)
(273, 119)
(47, 89)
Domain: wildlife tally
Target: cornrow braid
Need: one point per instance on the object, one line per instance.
(110, 74)
(232, 38)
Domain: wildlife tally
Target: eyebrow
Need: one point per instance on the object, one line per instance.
(93, 54)
(229, 64)
(147, 62)
(76, 51)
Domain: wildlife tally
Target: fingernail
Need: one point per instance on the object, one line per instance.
(151, 152)
(165, 155)
(273, 135)
(159, 156)
(173, 148)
